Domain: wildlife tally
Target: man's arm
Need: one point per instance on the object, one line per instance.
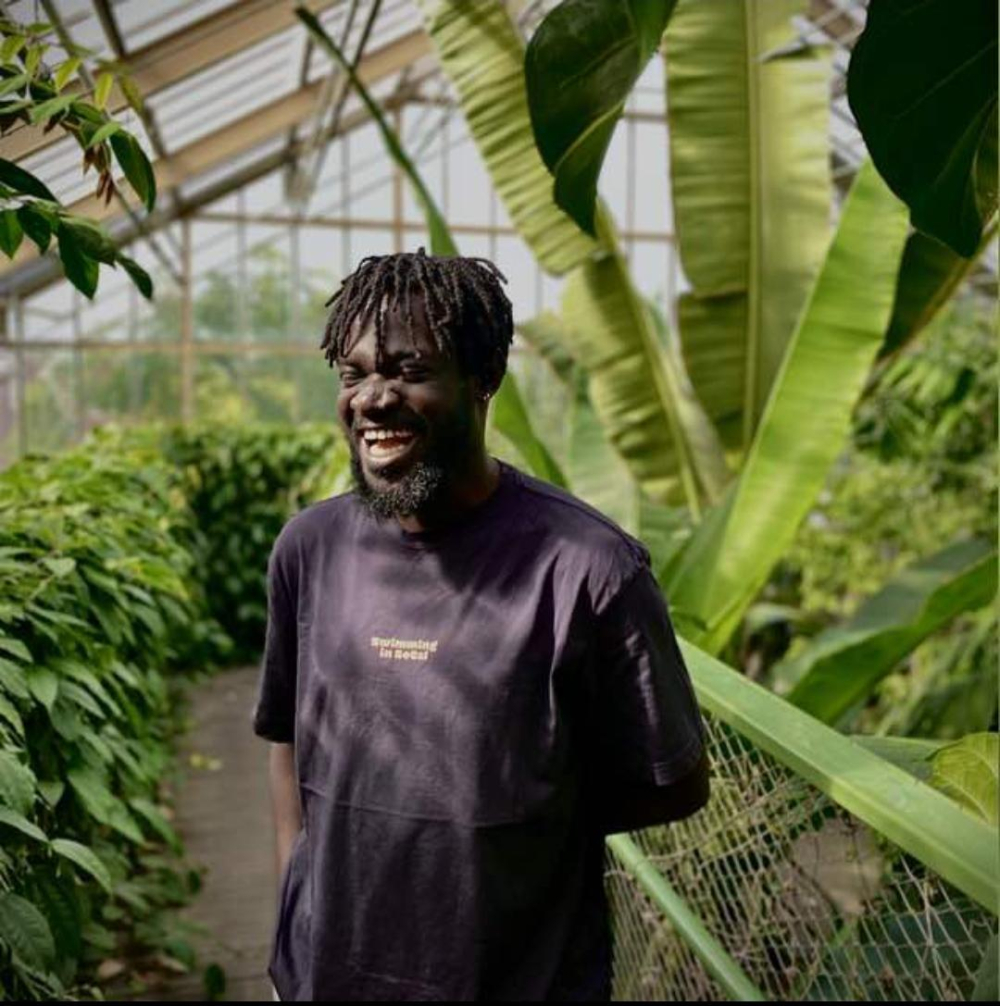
(632, 808)
(284, 802)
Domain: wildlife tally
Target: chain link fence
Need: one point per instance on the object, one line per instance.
(790, 889)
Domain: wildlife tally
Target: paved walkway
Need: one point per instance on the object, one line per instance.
(224, 818)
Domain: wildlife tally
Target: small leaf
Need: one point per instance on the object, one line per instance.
(24, 929)
(91, 240)
(14, 83)
(33, 58)
(62, 566)
(16, 648)
(17, 821)
(84, 858)
(35, 225)
(136, 166)
(967, 771)
(10, 232)
(23, 181)
(132, 95)
(100, 135)
(51, 107)
(139, 276)
(43, 684)
(81, 271)
(66, 70)
(11, 47)
(102, 89)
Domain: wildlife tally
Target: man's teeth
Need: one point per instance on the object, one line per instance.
(373, 436)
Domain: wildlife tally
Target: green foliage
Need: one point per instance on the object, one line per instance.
(922, 85)
(31, 94)
(967, 771)
(115, 555)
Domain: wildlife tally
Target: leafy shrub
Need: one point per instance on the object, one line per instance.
(116, 559)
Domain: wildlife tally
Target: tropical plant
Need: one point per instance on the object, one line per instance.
(36, 95)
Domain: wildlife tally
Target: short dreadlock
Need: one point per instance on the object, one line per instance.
(467, 310)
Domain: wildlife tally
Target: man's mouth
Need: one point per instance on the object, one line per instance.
(387, 444)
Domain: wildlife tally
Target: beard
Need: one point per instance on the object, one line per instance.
(425, 484)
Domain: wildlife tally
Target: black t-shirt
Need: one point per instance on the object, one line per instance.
(460, 702)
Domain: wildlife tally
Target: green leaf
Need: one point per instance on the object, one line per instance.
(136, 166)
(90, 239)
(843, 664)
(61, 566)
(8, 712)
(912, 754)
(47, 109)
(100, 135)
(36, 225)
(155, 819)
(806, 420)
(922, 85)
(85, 858)
(637, 382)
(928, 276)
(10, 232)
(16, 648)
(20, 823)
(11, 46)
(42, 683)
(139, 275)
(580, 66)
(24, 929)
(967, 772)
(65, 70)
(23, 181)
(751, 192)
(101, 803)
(12, 679)
(510, 417)
(17, 784)
(481, 52)
(15, 83)
(81, 270)
(441, 239)
(132, 95)
(33, 57)
(102, 89)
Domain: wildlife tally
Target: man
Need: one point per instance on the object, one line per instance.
(470, 677)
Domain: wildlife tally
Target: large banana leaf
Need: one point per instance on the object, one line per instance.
(806, 419)
(483, 56)
(842, 665)
(635, 398)
(509, 414)
(581, 64)
(749, 166)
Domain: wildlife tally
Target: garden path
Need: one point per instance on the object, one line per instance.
(224, 818)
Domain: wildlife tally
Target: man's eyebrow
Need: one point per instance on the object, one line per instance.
(401, 354)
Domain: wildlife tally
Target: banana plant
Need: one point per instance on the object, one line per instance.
(482, 54)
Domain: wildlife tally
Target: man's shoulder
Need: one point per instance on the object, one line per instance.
(304, 530)
(586, 536)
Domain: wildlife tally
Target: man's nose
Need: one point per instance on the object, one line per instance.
(376, 393)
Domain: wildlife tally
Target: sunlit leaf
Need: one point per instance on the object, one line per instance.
(102, 89)
(967, 772)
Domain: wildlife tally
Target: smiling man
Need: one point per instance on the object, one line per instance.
(470, 678)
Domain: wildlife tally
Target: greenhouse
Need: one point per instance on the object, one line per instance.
(682, 549)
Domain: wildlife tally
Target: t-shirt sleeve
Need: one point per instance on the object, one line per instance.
(274, 713)
(649, 730)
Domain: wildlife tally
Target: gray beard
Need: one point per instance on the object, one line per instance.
(421, 487)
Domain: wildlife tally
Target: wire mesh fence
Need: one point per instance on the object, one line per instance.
(808, 902)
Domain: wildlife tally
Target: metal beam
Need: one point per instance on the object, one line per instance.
(216, 149)
(181, 54)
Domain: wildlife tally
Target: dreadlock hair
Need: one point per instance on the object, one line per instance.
(467, 309)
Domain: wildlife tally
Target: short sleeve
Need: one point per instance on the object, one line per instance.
(649, 730)
(274, 714)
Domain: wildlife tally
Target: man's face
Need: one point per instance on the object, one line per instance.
(417, 393)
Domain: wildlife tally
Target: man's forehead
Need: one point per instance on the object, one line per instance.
(402, 337)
